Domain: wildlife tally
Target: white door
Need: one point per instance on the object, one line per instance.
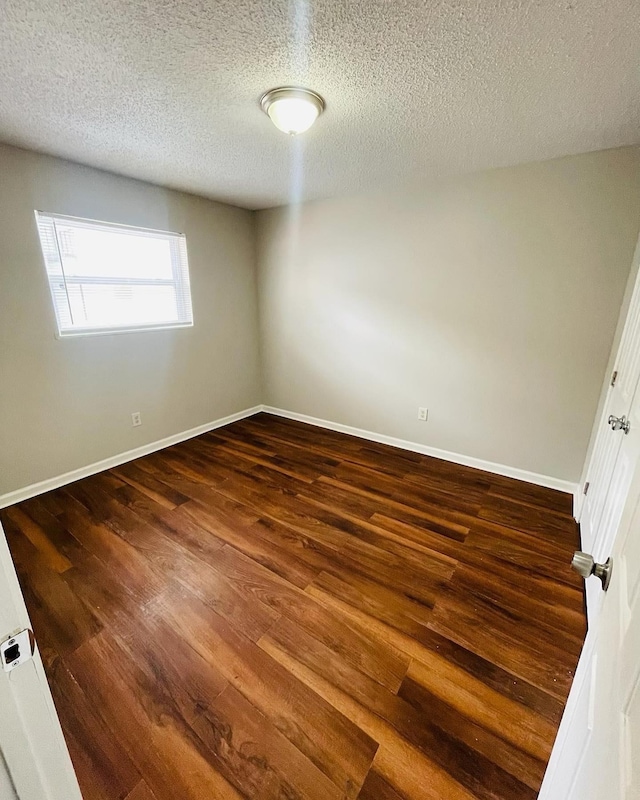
(616, 719)
(34, 760)
(597, 752)
(609, 469)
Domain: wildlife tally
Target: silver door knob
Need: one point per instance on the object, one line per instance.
(585, 564)
(619, 423)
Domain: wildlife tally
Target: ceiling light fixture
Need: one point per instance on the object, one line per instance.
(292, 109)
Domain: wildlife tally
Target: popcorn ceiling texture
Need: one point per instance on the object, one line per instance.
(167, 90)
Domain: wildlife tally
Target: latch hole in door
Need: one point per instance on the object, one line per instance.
(11, 653)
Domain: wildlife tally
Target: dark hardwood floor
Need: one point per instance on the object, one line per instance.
(274, 610)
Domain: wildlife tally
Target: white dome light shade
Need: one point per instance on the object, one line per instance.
(293, 114)
(291, 109)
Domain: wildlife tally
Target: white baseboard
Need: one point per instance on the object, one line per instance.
(424, 449)
(107, 463)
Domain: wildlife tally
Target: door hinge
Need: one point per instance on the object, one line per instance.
(614, 378)
(586, 487)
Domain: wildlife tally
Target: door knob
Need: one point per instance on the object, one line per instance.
(585, 564)
(619, 423)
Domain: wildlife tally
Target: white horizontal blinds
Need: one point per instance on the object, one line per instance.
(181, 276)
(55, 272)
(106, 277)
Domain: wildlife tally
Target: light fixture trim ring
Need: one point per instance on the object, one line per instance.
(281, 92)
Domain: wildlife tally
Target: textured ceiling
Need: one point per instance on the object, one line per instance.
(168, 91)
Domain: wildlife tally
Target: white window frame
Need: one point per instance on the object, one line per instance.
(55, 275)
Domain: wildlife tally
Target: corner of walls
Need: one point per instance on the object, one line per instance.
(255, 222)
(509, 361)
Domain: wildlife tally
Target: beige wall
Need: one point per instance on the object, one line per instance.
(65, 404)
(491, 299)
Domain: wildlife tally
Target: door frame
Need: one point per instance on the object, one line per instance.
(31, 739)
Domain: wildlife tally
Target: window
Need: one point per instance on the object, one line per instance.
(106, 278)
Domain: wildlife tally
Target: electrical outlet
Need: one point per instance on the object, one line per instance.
(136, 419)
(423, 414)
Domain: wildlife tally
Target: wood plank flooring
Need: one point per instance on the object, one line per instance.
(273, 610)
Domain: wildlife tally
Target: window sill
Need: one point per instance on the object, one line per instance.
(75, 334)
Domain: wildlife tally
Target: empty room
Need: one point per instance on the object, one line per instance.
(319, 400)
